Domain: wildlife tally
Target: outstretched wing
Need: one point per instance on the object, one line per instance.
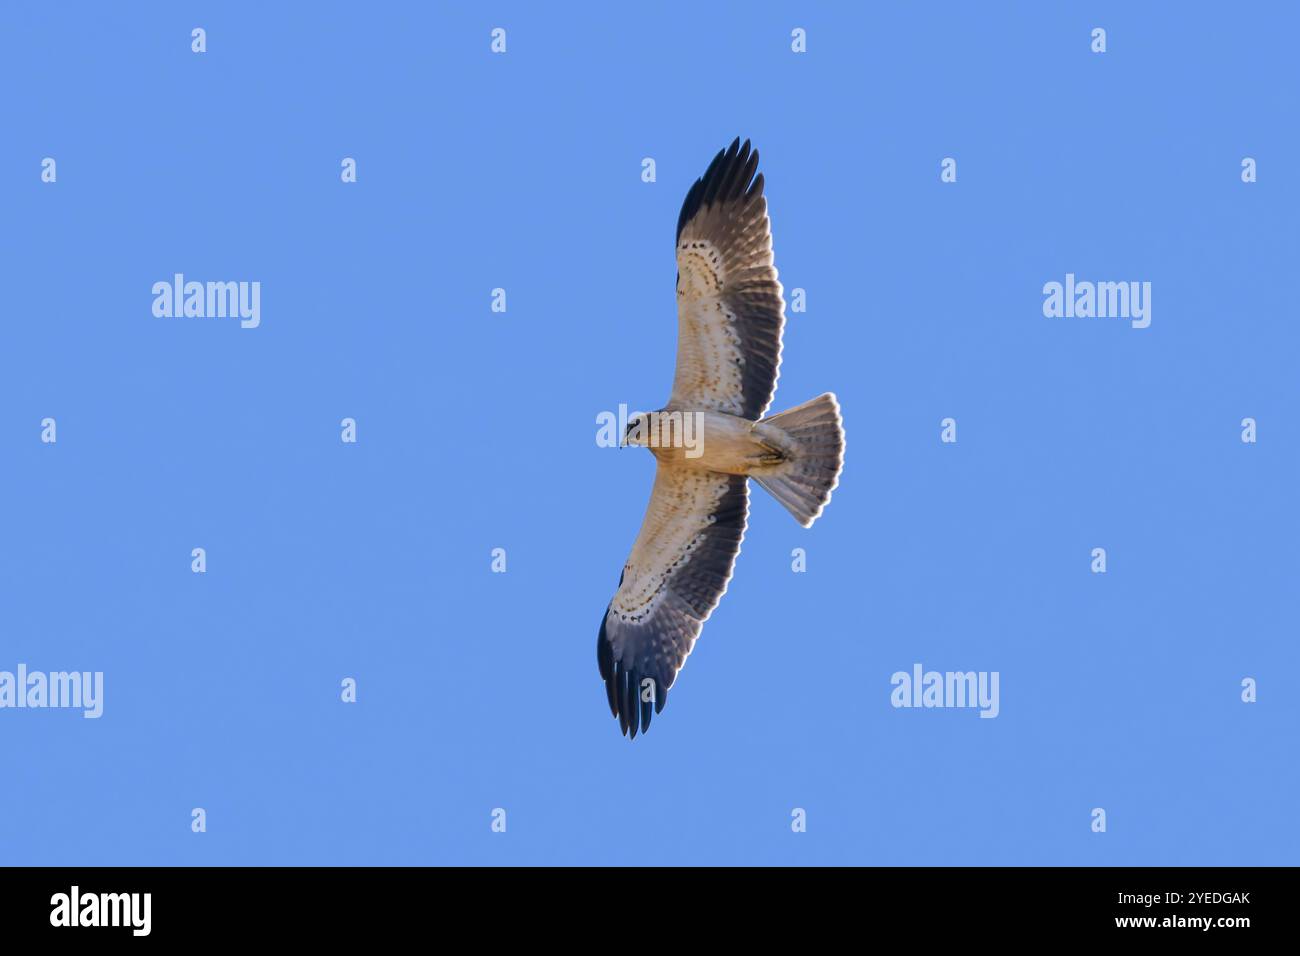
(729, 307)
(678, 570)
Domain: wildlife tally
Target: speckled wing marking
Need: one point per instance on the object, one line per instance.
(677, 572)
(729, 306)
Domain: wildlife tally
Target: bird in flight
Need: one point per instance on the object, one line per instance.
(710, 439)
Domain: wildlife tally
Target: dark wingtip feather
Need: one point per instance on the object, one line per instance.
(623, 689)
(647, 711)
(623, 692)
(604, 650)
(729, 176)
(620, 690)
(633, 703)
(605, 661)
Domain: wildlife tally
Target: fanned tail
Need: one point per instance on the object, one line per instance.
(804, 483)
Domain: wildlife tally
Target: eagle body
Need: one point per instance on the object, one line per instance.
(722, 443)
(712, 436)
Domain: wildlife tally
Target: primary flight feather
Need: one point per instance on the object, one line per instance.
(730, 314)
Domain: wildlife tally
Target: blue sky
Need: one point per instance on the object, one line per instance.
(476, 430)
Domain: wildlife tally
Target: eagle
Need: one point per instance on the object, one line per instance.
(710, 439)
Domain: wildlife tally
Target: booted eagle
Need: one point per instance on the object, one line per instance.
(710, 439)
